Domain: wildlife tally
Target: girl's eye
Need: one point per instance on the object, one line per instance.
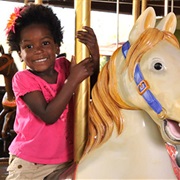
(28, 46)
(158, 66)
(46, 43)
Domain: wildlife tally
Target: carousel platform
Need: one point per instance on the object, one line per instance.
(3, 154)
(3, 167)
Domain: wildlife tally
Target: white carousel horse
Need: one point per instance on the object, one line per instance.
(135, 109)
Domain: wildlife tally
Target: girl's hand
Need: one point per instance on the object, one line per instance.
(80, 71)
(88, 37)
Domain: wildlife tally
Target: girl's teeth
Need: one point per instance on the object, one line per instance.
(41, 60)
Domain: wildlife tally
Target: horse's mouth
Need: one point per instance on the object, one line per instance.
(172, 129)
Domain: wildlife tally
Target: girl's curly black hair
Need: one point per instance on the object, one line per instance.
(35, 14)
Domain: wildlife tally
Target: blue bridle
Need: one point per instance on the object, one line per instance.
(142, 85)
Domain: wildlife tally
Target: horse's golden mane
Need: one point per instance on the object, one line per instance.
(104, 110)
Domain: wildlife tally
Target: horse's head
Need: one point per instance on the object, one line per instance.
(149, 79)
(6, 62)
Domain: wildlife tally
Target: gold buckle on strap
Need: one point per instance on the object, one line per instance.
(143, 86)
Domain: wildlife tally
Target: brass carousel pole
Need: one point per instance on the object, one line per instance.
(23, 63)
(38, 1)
(136, 9)
(143, 5)
(82, 18)
(25, 1)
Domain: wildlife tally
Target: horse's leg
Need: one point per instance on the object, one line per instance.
(7, 126)
(2, 115)
(8, 123)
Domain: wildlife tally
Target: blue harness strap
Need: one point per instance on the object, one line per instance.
(143, 87)
(125, 48)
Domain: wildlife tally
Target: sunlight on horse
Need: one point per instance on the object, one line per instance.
(135, 108)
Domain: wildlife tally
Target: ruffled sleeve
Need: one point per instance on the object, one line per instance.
(24, 82)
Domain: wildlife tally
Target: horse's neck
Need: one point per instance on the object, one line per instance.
(8, 87)
(137, 153)
(138, 124)
(140, 135)
(8, 82)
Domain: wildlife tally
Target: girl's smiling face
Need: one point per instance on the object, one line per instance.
(37, 48)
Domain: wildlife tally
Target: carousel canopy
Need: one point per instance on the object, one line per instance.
(125, 6)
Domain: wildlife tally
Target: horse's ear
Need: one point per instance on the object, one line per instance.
(1, 49)
(168, 23)
(146, 20)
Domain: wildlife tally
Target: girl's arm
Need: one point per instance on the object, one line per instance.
(50, 112)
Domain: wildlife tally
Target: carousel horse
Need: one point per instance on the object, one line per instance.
(134, 115)
(7, 115)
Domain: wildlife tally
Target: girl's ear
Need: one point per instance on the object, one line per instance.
(57, 50)
(19, 53)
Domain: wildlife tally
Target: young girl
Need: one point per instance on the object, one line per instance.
(44, 91)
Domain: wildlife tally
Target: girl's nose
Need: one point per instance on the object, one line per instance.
(38, 49)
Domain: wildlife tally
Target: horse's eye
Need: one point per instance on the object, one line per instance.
(3, 60)
(158, 66)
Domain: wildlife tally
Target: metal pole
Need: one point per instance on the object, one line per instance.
(136, 9)
(23, 63)
(25, 1)
(38, 1)
(143, 5)
(165, 7)
(172, 5)
(82, 97)
(117, 12)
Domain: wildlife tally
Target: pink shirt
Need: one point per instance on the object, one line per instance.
(36, 141)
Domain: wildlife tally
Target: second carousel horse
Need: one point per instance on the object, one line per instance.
(7, 68)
